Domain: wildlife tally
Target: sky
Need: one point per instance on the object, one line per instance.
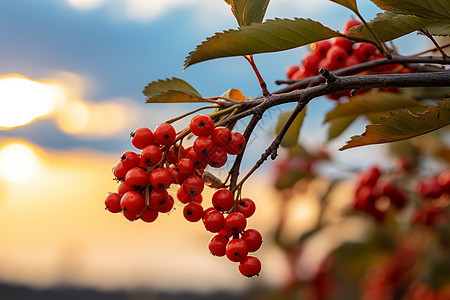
(71, 76)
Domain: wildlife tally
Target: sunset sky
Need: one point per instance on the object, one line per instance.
(71, 76)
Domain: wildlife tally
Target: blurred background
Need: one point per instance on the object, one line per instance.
(71, 76)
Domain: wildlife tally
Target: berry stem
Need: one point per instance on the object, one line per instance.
(428, 35)
(190, 113)
(381, 46)
(261, 81)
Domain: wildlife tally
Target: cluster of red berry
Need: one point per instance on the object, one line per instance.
(435, 191)
(336, 54)
(376, 195)
(144, 179)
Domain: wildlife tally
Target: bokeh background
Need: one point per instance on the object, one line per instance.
(71, 76)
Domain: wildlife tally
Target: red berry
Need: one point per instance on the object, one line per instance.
(246, 207)
(158, 199)
(217, 245)
(142, 137)
(160, 178)
(165, 134)
(124, 187)
(223, 200)
(250, 266)
(253, 239)
(176, 176)
(203, 145)
(236, 250)
(290, 70)
(202, 125)
(193, 212)
(185, 166)
(151, 155)
(167, 206)
(221, 136)
(300, 74)
(137, 177)
(342, 42)
(199, 162)
(351, 61)
(217, 158)
(112, 202)
(213, 220)
(120, 171)
(130, 159)
(193, 185)
(310, 62)
(149, 215)
(130, 216)
(237, 144)
(235, 222)
(349, 24)
(370, 176)
(132, 202)
(320, 48)
(337, 56)
(174, 154)
(364, 51)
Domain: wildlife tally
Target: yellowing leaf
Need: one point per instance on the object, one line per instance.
(234, 94)
(403, 124)
(171, 91)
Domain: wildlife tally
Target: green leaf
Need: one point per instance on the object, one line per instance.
(270, 36)
(172, 90)
(291, 137)
(249, 11)
(350, 4)
(389, 25)
(441, 28)
(403, 124)
(426, 8)
(371, 105)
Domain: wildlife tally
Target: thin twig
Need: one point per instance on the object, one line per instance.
(428, 35)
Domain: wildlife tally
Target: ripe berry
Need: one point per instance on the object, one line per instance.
(237, 144)
(167, 206)
(203, 145)
(130, 216)
(342, 42)
(137, 177)
(199, 162)
(300, 74)
(149, 215)
(370, 176)
(124, 187)
(174, 154)
(132, 202)
(130, 159)
(213, 221)
(120, 171)
(185, 166)
(352, 22)
(112, 202)
(337, 56)
(142, 137)
(217, 245)
(364, 51)
(193, 212)
(253, 239)
(320, 48)
(235, 222)
(202, 125)
(351, 61)
(221, 136)
(176, 176)
(246, 207)
(160, 178)
(193, 185)
(165, 134)
(290, 70)
(250, 266)
(217, 158)
(310, 62)
(158, 199)
(223, 200)
(236, 250)
(151, 155)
